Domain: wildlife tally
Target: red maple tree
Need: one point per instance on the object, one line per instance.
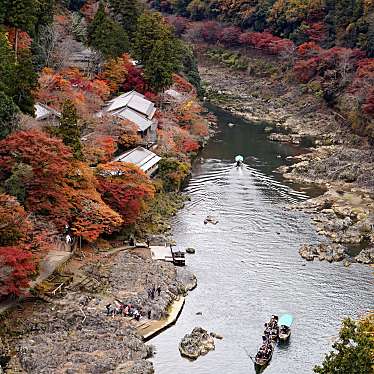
(17, 263)
(125, 188)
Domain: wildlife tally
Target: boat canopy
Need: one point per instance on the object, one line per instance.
(239, 158)
(285, 320)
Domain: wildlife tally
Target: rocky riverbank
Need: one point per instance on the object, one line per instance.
(73, 334)
(337, 160)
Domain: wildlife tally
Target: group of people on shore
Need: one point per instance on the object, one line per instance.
(152, 292)
(118, 308)
(126, 310)
(270, 335)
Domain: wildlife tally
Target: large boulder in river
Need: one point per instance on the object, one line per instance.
(307, 252)
(210, 219)
(198, 343)
(186, 278)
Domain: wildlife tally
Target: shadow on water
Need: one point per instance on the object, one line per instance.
(248, 266)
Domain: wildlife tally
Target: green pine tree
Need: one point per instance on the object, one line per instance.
(18, 79)
(7, 64)
(3, 4)
(180, 7)
(151, 28)
(190, 69)
(25, 83)
(69, 130)
(370, 36)
(8, 112)
(106, 35)
(126, 12)
(44, 13)
(21, 14)
(15, 185)
(159, 67)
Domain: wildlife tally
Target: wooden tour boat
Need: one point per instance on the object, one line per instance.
(265, 353)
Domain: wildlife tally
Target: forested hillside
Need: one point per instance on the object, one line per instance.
(330, 23)
(328, 46)
(57, 174)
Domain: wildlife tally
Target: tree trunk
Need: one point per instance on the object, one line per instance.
(16, 44)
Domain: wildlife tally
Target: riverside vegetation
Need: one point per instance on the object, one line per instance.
(312, 76)
(58, 175)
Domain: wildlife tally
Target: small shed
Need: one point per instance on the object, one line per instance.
(145, 159)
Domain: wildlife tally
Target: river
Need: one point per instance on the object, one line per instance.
(248, 266)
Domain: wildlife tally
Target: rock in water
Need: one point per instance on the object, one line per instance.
(331, 252)
(198, 343)
(210, 219)
(190, 250)
(366, 256)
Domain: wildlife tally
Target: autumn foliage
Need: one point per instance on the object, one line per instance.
(125, 188)
(17, 266)
(266, 41)
(49, 160)
(23, 39)
(99, 148)
(86, 94)
(91, 217)
(17, 262)
(61, 189)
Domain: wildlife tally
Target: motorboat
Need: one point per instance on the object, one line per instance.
(239, 160)
(285, 323)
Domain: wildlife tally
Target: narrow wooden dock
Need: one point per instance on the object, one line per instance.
(149, 329)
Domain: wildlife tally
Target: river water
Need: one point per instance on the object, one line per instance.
(248, 266)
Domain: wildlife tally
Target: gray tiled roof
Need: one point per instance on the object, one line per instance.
(133, 100)
(43, 112)
(141, 157)
(140, 121)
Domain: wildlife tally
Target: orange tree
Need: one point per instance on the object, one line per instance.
(48, 160)
(56, 187)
